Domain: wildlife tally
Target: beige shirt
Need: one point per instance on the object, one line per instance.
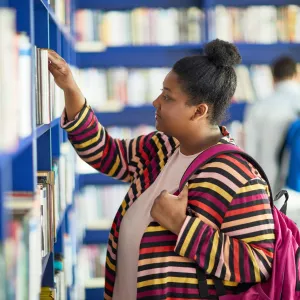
(136, 220)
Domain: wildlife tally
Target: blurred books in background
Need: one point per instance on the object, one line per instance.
(141, 26)
(256, 24)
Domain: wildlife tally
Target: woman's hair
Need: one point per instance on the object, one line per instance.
(210, 78)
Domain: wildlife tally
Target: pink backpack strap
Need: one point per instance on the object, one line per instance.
(207, 155)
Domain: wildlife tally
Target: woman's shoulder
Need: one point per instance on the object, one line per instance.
(229, 170)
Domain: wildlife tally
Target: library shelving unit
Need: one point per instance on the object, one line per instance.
(18, 168)
(150, 56)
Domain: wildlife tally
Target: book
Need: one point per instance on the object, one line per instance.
(8, 74)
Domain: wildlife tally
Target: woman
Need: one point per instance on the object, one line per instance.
(154, 248)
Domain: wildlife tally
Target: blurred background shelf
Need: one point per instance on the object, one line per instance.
(129, 4)
(137, 56)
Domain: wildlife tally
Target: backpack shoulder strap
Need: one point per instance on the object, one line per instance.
(207, 155)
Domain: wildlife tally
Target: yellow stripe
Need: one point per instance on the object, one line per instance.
(189, 237)
(80, 120)
(259, 238)
(115, 166)
(256, 268)
(168, 279)
(110, 264)
(249, 188)
(212, 187)
(89, 142)
(155, 228)
(213, 253)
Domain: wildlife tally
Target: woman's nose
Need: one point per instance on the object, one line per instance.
(155, 103)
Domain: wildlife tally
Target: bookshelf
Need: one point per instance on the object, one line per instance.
(37, 151)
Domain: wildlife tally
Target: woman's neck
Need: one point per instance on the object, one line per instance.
(203, 139)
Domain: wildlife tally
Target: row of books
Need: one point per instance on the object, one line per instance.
(112, 88)
(32, 232)
(256, 24)
(16, 114)
(141, 26)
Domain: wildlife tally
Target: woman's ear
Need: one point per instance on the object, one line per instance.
(201, 111)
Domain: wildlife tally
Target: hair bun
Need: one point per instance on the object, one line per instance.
(222, 54)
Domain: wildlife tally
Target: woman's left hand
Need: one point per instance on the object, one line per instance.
(170, 211)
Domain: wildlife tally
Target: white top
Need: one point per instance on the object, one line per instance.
(266, 124)
(136, 220)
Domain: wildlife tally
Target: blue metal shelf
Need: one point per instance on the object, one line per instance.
(243, 3)
(129, 117)
(61, 27)
(129, 4)
(137, 56)
(266, 53)
(166, 56)
(96, 179)
(96, 237)
(92, 294)
(236, 112)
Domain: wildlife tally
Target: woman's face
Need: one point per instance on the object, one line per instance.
(173, 116)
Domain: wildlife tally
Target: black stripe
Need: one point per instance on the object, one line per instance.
(83, 121)
(209, 203)
(218, 253)
(249, 204)
(247, 225)
(241, 261)
(193, 240)
(248, 214)
(157, 244)
(253, 234)
(184, 234)
(164, 275)
(216, 182)
(157, 254)
(264, 262)
(251, 268)
(230, 258)
(221, 172)
(232, 165)
(212, 193)
(167, 264)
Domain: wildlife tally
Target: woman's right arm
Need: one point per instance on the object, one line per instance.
(121, 159)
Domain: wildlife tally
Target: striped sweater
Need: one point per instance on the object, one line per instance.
(230, 235)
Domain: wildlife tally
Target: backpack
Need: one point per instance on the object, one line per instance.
(284, 282)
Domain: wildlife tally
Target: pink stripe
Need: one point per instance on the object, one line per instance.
(167, 270)
(152, 239)
(221, 262)
(246, 265)
(250, 230)
(194, 249)
(109, 249)
(96, 147)
(221, 178)
(165, 291)
(82, 136)
(204, 248)
(266, 245)
(208, 197)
